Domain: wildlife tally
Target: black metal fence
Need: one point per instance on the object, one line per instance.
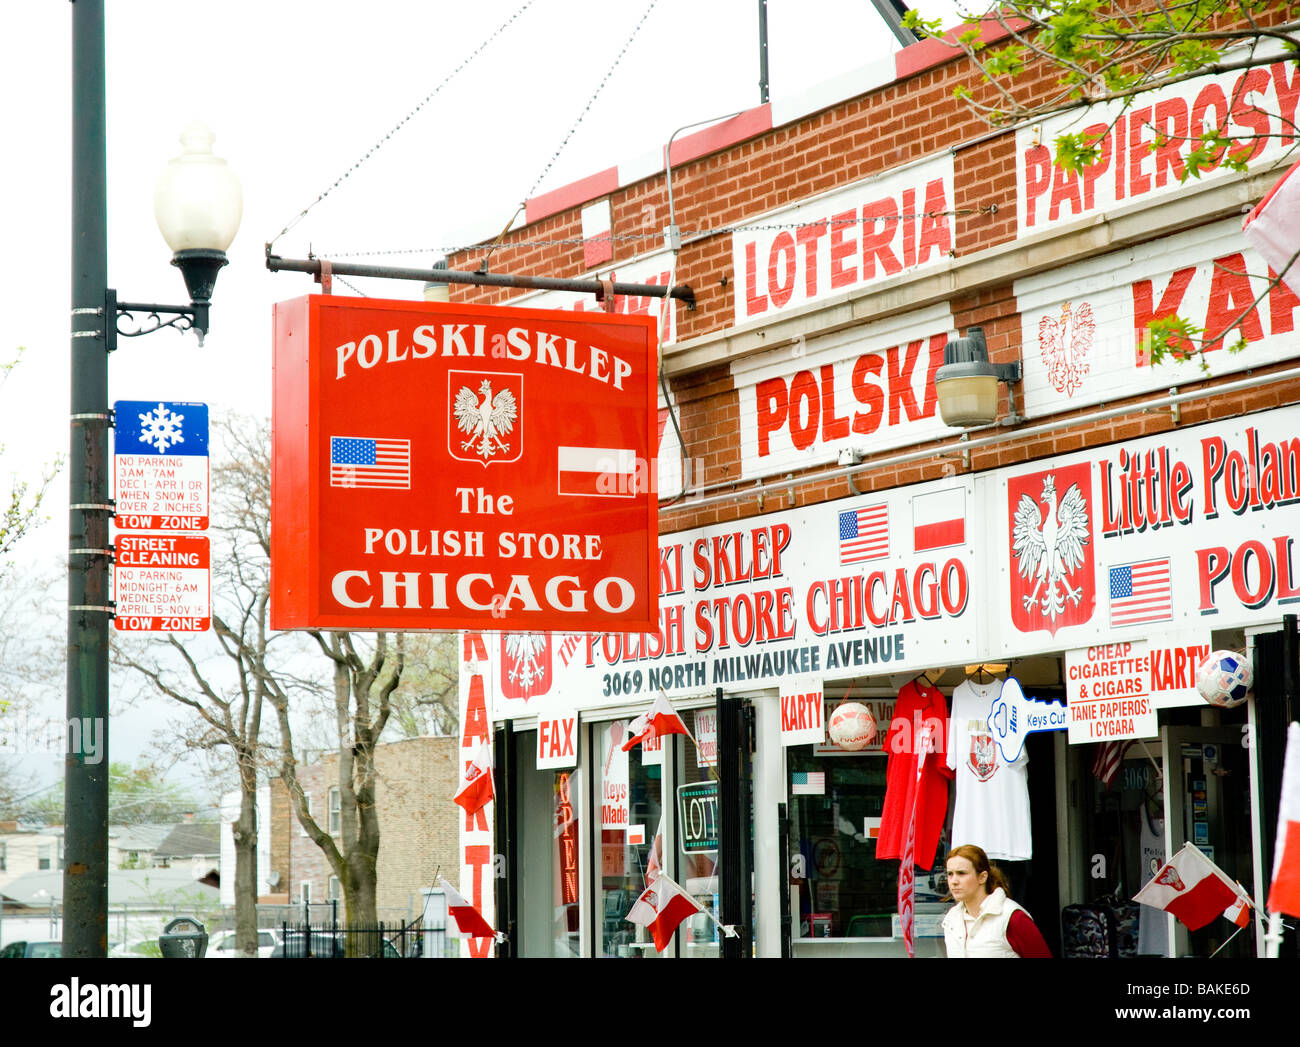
(331, 940)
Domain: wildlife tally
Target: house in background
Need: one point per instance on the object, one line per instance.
(193, 844)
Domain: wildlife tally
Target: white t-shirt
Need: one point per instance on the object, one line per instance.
(992, 806)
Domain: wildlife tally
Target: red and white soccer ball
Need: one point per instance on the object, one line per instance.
(1224, 678)
(852, 726)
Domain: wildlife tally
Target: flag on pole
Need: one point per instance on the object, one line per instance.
(1284, 892)
(1110, 755)
(1193, 888)
(661, 719)
(476, 781)
(661, 909)
(1273, 227)
(469, 921)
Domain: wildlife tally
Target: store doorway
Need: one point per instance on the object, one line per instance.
(1207, 803)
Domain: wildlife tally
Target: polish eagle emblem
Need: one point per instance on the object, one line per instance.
(485, 418)
(527, 658)
(1049, 547)
(1065, 343)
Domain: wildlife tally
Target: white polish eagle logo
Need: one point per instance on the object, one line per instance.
(1049, 547)
(527, 664)
(485, 418)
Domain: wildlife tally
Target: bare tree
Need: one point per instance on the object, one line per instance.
(21, 511)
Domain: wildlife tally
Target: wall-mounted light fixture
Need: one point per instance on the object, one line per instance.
(967, 384)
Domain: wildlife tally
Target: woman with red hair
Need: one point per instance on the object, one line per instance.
(985, 921)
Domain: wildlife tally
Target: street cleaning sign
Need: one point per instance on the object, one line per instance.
(443, 466)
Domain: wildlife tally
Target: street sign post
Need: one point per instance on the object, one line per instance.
(160, 583)
(439, 467)
(160, 465)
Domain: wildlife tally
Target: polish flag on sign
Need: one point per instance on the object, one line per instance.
(1193, 888)
(476, 781)
(1273, 227)
(939, 519)
(1284, 892)
(600, 472)
(661, 719)
(661, 909)
(469, 921)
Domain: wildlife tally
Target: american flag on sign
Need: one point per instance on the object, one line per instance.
(864, 534)
(1140, 592)
(807, 783)
(364, 462)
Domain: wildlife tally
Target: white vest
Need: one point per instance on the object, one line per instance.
(988, 933)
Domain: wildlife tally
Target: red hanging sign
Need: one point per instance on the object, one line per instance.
(442, 467)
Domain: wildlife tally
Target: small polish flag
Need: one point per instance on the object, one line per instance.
(661, 719)
(476, 781)
(1284, 892)
(1273, 228)
(661, 909)
(469, 921)
(939, 519)
(1191, 887)
(601, 472)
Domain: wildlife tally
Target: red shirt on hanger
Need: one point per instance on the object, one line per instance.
(920, 719)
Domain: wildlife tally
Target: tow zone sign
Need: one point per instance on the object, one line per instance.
(443, 467)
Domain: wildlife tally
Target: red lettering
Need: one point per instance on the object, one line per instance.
(1065, 189)
(477, 856)
(936, 231)
(1282, 304)
(842, 249)
(1246, 114)
(808, 235)
(901, 394)
(755, 302)
(1288, 91)
(868, 394)
(781, 290)
(908, 220)
(1143, 313)
(803, 423)
(1211, 96)
(1171, 133)
(1230, 295)
(1038, 179)
(876, 244)
(476, 721)
(1212, 565)
(1139, 149)
(1095, 170)
(771, 406)
(833, 428)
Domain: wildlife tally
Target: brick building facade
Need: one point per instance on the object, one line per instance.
(418, 829)
(836, 245)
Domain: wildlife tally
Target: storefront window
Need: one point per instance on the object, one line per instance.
(549, 821)
(697, 832)
(628, 793)
(839, 889)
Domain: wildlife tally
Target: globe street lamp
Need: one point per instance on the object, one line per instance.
(198, 208)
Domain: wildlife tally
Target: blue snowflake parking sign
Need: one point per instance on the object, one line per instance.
(160, 466)
(161, 427)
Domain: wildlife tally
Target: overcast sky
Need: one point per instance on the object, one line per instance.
(296, 93)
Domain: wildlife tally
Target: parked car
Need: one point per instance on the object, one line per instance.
(136, 949)
(222, 944)
(32, 951)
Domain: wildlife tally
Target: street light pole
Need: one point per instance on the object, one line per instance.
(85, 872)
(198, 204)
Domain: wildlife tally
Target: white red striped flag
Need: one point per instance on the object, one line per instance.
(1110, 755)
(864, 533)
(1140, 592)
(661, 909)
(362, 461)
(1284, 891)
(939, 519)
(469, 921)
(1273, 227)
(661, 718)
(1193, 888)
(476, 781)
(602, 472)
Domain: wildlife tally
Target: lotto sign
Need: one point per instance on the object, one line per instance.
(1106, 689)
(802, 708)
(160, 465)
(160, 583)
(442, 466)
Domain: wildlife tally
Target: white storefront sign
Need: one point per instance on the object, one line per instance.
(1259, 105)
(557, 740)
(869, 388)
(1106, 692)
(803, 711)
(899, 221)
(1084, 326)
